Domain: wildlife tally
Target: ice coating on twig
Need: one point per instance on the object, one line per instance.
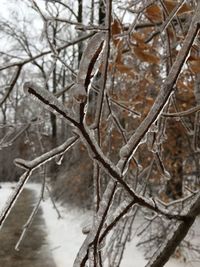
(87, 63)
(165, 174)
(89, 53)
(31, 218)
(48, 100)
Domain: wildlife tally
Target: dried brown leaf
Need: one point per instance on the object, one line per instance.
(140, 40)
(154, 13)
(122, 68)
(146, 56)
(195, 65)
(115, 30)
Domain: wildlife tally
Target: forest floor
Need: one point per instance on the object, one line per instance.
(51, 242)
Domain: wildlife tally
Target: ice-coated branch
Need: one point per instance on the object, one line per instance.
(87, 63)
(128, 150)
(47, 99)
(30, 166)
(96, 154)
(121, 211)
(53, 202)
(52, 104)
(167, 88)
(82, 255)
(27, 225)
(12, 84)
(177, 234)
(37, 162)
(106, 54)
(117, 103)
(89, 57)
(182, 113)
(5, 142)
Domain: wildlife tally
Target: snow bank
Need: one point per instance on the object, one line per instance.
(65, 235)
(5, 191)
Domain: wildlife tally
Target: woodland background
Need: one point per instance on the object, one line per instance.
(113, 105)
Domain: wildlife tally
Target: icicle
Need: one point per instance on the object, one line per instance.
(59, 159)
(125, 169)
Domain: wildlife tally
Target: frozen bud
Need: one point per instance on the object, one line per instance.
(26, 87)
(86, 229)
(79, 93)
(124, 152)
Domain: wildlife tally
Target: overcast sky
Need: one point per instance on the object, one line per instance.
(12, 9)
(4, 8)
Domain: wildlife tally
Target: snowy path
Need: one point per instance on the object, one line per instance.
(51, 240)
(34, 250)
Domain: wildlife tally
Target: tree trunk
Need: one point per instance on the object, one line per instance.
(101, 12)
(54, 86)
(174, 185)
(80, 20)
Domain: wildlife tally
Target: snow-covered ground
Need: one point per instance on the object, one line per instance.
(5, 191)
(65, 235)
